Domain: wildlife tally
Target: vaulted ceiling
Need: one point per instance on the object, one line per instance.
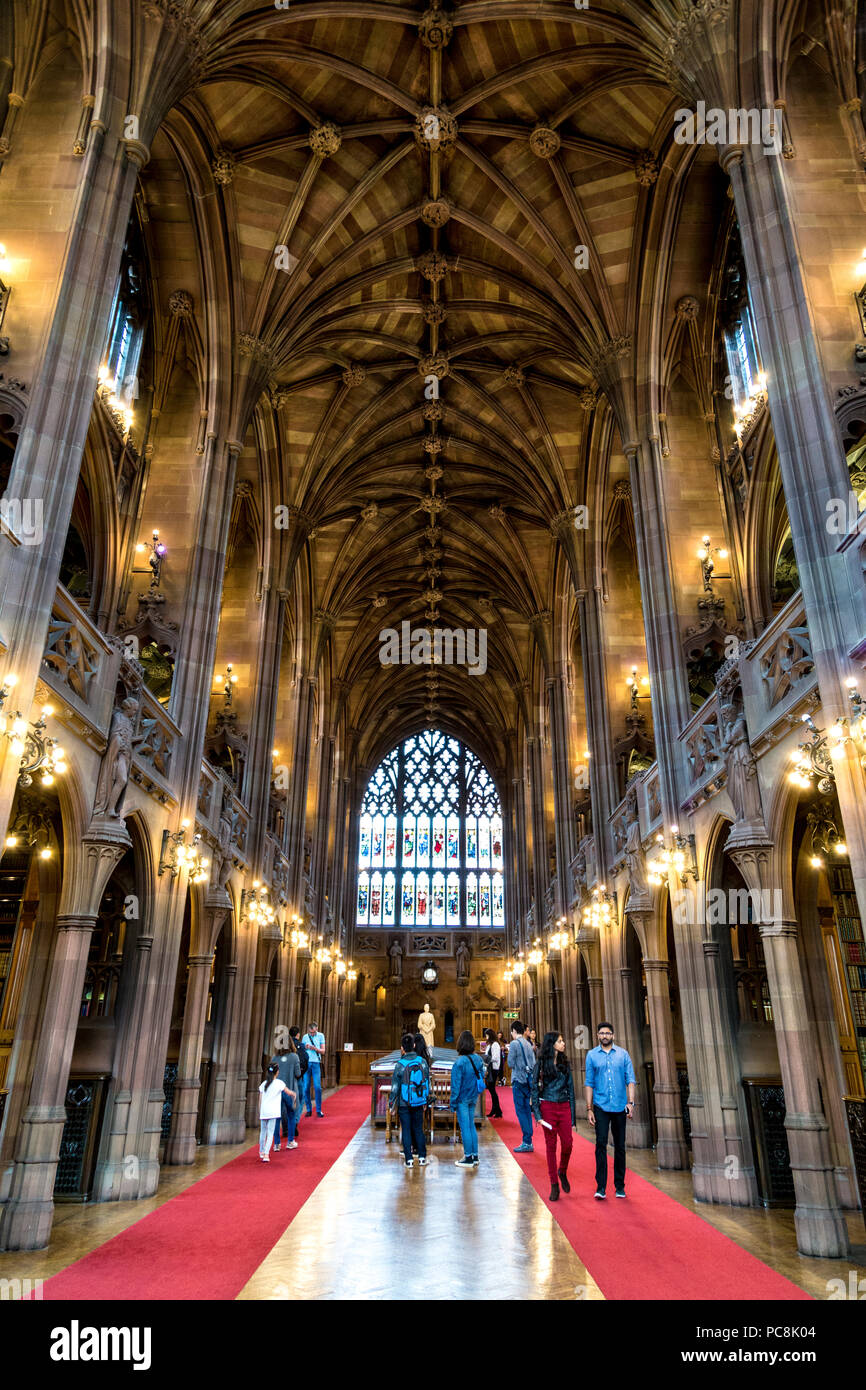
(431, 179)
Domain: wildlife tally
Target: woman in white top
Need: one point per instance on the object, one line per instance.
(271, 1090)
(493, 1062)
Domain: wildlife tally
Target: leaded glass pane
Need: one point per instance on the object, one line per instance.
(484, 896)
(390, 842)
(472, 900)
(363, 898)
(438, 900)
(484, 842)
(407, 907)
(376, 899)
(388, 900)
(439, 841)
(378, 841)
(409, 842)
(471, 843)
(423, 842)
(498, 901)
(453, 841)
(453, 901)
(365, 842)
(422, 915)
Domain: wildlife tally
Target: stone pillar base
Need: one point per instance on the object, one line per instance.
(821, 1232)
(181, 1144)
(27, 1225)
(119, 1180)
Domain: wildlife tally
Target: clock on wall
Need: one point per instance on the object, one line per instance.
(429, 975)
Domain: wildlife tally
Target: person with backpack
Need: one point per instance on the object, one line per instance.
(289, 1071)
(467, 1084)
(492, 1062)
(553, 1108)
(272, 1090)
(295, 1035)
(410, 1092)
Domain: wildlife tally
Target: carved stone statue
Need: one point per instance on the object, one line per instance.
(462, 954)
(396, 954)
(116, 761)
(427, 1027)
(223, 864)
(740, 765)
(636, 862)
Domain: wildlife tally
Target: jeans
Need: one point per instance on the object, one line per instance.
(521, 1093)
(412, 1130)
(313, 1074)
(490, 1082)
(266, 1134)
(465, 1111)
(558, 1114)
(613, 1120)
(287, 1120)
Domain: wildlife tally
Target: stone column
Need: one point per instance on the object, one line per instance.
(818, 1218)
(221, 1125)
(116, 1176)
(811, 459)
(671, 1148)
(562, 798)
(25, 1222)
(602, 778)
(639, 1132)
(181, 1144)
(254, 1050)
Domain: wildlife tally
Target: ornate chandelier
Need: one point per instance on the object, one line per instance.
(36, 752)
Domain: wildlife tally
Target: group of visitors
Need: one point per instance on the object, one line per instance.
(293, 1078)
(543, 1086)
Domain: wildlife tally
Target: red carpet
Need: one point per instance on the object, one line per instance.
(208, 1241)
(647, 1246)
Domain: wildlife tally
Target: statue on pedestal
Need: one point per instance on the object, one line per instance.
(740, 766)
(462, 954)
(427, 1027)
(117, 761)
(396, 953)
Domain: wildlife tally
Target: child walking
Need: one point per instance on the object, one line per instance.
(271, 1089)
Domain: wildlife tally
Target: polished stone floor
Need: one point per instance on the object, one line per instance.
(374, 1231)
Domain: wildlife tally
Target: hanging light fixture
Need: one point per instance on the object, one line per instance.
(226, 683)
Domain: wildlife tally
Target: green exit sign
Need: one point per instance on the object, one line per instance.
(510, 1013)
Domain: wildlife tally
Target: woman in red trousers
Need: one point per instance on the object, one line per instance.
(553, 1107)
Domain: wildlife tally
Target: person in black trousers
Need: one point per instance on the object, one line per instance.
(410, 1091)
(493, 1062)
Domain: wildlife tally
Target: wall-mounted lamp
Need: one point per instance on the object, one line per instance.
(536, 955)
(860, 295)
(601, 908)
(681, 860)
(176, 854)
(297, 937)
(35, 752)
(559, 940)
(634, 684)
(157, 552)
(255, 906)
(226, 683)
(705, 555)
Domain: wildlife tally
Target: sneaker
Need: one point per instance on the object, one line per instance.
(564, 1183)
(524, 1149)
(601, 1195)
(465, 1162)
(554, 1193)
(410, 1162)
(474, 1160)
(422, 1163)
(294, 1144)
(620, 1193)
(266, 1160)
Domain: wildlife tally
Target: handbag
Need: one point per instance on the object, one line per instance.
(480, 1084)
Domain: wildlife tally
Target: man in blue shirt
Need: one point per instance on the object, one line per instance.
(314, 1042)
(609, 1103)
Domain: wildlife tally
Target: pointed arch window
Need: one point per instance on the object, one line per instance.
(430, 850)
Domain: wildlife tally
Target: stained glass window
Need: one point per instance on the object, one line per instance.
(430, 849)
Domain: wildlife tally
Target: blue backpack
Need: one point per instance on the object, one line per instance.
(414, 1084)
